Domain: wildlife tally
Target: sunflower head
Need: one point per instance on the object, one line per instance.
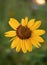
(25, 34)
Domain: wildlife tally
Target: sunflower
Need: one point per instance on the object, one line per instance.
(25, 34)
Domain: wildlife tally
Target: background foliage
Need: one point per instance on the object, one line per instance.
(20, 9)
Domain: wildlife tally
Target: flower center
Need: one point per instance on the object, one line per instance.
(23, 32)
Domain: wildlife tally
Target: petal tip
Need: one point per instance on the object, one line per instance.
(26, 17)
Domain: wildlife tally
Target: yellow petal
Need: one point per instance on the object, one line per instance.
(13, 23)
(31, 23)
(36, 25)
(28, 45)
(35, 43)
(18, 47)
(14, 43)
(39, 39)
(24, 22)
(10, 33)
(39, 32)
(23, 46)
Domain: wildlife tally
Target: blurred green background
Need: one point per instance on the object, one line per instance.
(20, 9)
